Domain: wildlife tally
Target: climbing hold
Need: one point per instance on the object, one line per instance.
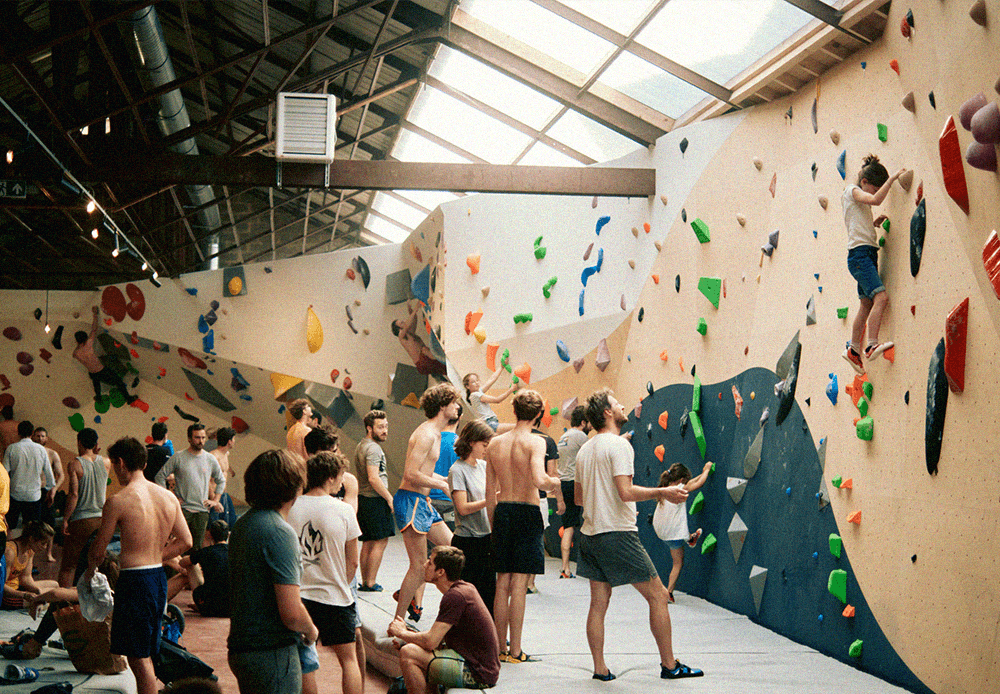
(136, 307)
(523, 318)
(849, 611)
(982, 157)
(646, 227)
(741, 220)
(677, 283)
(663, 199)
(837, 585)
(815, 170)
(738, 401)
(473, 262)
(701, 231)
(906, 180)
(539, 249)
(491, 355)
(600, 225)
(76, 422)
(854, 518)
(642, 312)
(480, 335)
(758, 578)
(832, 388)
(697, 505)
(638, 410)
(842, 165)
(991, 261)
(113, 303)
(764, 416)
(684, 215)
(350, 274)
(865, 428)
(905, 28)
(937, 404)
(883, 132)
(955, 331)
(472, 320)
(588, 271)
(663, 419)
(774, 183)
(918, 228)
(684, 145)
(909, 103)
(709, 543)
(656, 279)
(702, 326)
(978, 12)
(562, 350)
(411, 400)
(235, 285)
(658, 452)
(815, 123)
(811, 311)
(969, 109)
(314, 330)
(659, 245)
(57, 338)
(951, 165)
(771, 244)
(695, 395)
(894, 64)
(752, 459)
(758, 163)
(823, 202)
(593, 203)
(505, 360)
(523, 372)
(649, 387)
(986, 124)
(737, 533)
(855, 650)
(578, 364)
(635, 232)
(710, 288)
(835, 137)
(736, 486)
(603, 357)
(846, 484)
(836, 545)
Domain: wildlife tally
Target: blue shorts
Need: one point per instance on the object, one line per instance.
(140, 597)
(862, 261)
(413, 509)
(675, 544)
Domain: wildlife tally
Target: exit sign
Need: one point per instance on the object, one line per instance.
(10, 188)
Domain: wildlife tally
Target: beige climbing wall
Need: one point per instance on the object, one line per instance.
(941, 611)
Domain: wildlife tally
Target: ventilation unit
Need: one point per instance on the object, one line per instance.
(306, 127)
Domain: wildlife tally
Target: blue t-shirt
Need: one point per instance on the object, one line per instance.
(446, 458)
(263, 552)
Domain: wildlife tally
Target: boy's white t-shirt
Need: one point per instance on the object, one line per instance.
(858, 220)
(323, 525)
(670, 520)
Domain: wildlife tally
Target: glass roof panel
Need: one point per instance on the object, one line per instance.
(469, 128)
(386, 230)
(399, 210)
(721, 38)
(414, 147)
(590, 137)
(620, 15)
(650, 85)
(543, 155)
(428, 199)
(503, 93)
(547, 32)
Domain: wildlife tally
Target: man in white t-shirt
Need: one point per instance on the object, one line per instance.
(611, 553)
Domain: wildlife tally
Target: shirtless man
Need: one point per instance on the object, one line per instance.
(41, 437)
(416, 518)
(153, 530)
(515, 465)
(98, 372)
(226, 438)
(422, 356)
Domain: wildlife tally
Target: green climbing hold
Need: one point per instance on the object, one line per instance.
(708, 544)
(866, 428)
(837, 481)
(836, 545)
(523, 317)
(881, 242)
(117, 398)
(698, 431)
(76, 421)
(863, 407)
(505, 361)
(711, 287)
(702, 326)
(701, 231)
(696, 395)
(539, 248)
(103, 404)
(697, 505)
(837, 585)
(883, 132)
(554, 411)
(885, 224)
(547, 287)
(855, 650)
(868, 389)
(842, 312)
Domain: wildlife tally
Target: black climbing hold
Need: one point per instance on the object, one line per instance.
(914, 558)
(906, 397)
(693, 367)
(918, 228)
(684, 145)
(909, 18)
(788, 113)
(38, 314)
(684, 215)
(642, 312)
(677, 283)
(684, 423)
(930, 97)
(808, 402)
(378, 404)
(135, 383)
(815, 169)
(815, 124)
(214, 305)
(185, 415)
(649, 387)
(268, 270)
(57, 338)
(805, 427)
(211, 316)
(937, 403)
(650, 515)
(649, 431)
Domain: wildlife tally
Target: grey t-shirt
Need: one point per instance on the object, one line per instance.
(193, 474)
(569, 446)
(471, 480)
(368, 453)
(263, 552)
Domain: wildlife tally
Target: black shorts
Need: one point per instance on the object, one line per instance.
(517, 539)
(375, 518)
(140, 598)
(334, 622)
(573, 517)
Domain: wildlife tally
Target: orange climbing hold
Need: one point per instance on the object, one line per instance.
(849, 610)
(546, 414)
(491, 357)
(855, 518)
(894, 64)
(656, 279)
(856, 389)
(890, 355)
(680, 362)
(472, 320)
(847, 484)
(664, 356)
(646, 227)
(524, 373)
(473, 262)
(658, 452)
(738, 400)
(140, 405)
(662, 420)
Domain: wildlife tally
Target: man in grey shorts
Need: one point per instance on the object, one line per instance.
(611, 553)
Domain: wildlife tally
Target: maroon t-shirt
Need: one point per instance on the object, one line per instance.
(472, 634)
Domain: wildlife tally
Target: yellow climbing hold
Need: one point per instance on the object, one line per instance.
(282, 383)
(411, 400)
(480, 335)
(314, 331)
(235, 286)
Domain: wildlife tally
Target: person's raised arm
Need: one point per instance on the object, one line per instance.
(419, 450)
(94, 325)
(697, 482)
(878, 197)
(72, 496)
(293, 613)
(628, 491)
(491, 380)
(428, 640)
(180, 540)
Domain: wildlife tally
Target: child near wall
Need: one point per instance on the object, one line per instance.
(670, 520)
(480, 401)
(862, 257)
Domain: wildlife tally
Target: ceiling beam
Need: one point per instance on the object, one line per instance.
(828, 15)
(169, 168)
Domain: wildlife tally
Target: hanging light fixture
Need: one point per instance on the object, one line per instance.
(114, 253)
(91, 206)
(47, 327)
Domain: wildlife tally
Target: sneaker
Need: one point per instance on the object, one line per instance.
(566, 574)
(680, 670)
(532, 590)
(693, 539)
(854, 359)
(603, 678)
(371, 589)
(873, 350)
(413, 610)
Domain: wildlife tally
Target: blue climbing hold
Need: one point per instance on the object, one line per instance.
(601, 222)
(832, 388)
(208, 342)
(582, 291)
(562, 350)
(420, 286)
(588, 271)
(842, 165)
(193, 291)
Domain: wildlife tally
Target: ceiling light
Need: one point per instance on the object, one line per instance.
(48, 329)
(93, 233)
(107, 126)
(144, 265)
(91, 206)
(114, 253)
(10, 156)
(155, 275)
(85, 130)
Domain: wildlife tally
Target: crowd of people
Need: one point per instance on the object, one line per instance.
(286, 572)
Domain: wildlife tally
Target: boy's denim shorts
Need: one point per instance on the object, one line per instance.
(862, 261)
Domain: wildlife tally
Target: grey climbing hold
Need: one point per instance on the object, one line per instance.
(737, 536)
(786, 396)
(785, 360)
(677, 283)
(814, 121)
(758, 577)
(752, 459)
(811, 311)
(684, 145)
(736, 486)
(815, 170)
(821, 453)
(765, 415)
(684, 422)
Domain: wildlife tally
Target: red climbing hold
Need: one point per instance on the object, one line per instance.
(46, 355)
(348, 383)
(239, 425)
(991, 261)
(140, 405)
(350, 273)
(161, 420)
(334, 375)
(190, 360)
(135, 355)
(646, 227)
(188, 396)
(71, 402)
(894, 64)
(855, 518)
(5, 381)
(12, 334)
(113, 303)
(955, 333)
(163, 372)
(134, 338)
(951, 165)
(904, 27)
(6, 399)
(136, 306)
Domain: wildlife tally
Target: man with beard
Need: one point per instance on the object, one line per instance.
(374, 499)
(193, 470)
(611, 553)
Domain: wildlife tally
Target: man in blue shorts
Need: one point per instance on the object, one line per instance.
(416, 519)
(147, 515)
